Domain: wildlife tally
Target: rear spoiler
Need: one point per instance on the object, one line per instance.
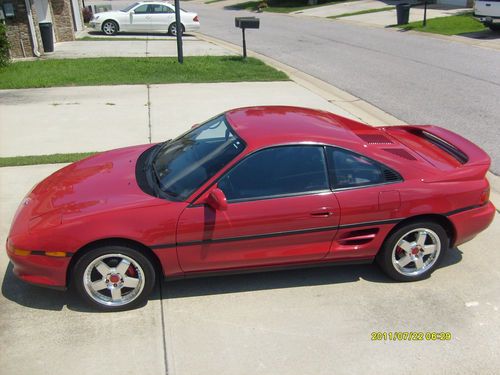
(464, 151)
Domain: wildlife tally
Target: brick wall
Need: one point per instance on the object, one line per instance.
(18, 31)
(63, 20)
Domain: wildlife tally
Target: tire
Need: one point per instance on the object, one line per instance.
(413, 251)
(494, 26)
(109, 27)
(114, 278)
(172, 29)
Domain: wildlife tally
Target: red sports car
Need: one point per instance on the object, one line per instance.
(252, 189)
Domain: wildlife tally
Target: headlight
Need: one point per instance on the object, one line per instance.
(95, 18)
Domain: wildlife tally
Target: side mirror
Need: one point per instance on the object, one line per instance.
(132, 12)
(217, 200)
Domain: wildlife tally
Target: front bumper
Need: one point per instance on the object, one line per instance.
(488, 20)
(38, 268)
(471, 222)
(95, 25)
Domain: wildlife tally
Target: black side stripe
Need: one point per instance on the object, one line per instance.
(275, 234)
(38, 252)
(301, 231)
(464, 209)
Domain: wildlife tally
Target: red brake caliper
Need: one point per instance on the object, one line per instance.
(131, 271)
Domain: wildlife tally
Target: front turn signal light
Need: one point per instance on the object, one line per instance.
(22, 252)
(55, 253)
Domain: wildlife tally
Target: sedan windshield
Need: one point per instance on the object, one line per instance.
(129, 7)
(184, 164)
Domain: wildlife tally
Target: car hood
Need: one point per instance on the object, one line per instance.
(112, 13)
(99, 183)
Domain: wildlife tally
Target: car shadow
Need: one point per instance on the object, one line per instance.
(40, 298)
(482, 35)
(132, 34)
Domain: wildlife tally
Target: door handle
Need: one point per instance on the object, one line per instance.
(322, 213)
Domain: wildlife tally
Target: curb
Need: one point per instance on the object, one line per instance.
(359, 108)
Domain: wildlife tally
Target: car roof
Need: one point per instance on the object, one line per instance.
(269, 125)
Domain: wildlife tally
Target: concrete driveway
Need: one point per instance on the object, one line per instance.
(98, 118)
(315, 321)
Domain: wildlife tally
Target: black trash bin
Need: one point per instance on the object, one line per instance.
(47, 36)
(403, 12)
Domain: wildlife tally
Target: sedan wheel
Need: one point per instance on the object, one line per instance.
(110, 27)
(413, 252)
(114, 278)
(172, 29)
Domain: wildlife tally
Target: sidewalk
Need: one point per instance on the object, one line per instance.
(78, 119)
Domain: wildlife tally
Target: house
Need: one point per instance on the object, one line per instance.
(22, 18)
(457, 3)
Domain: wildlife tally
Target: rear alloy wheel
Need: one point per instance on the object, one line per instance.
(413, 252)
(172, 29)
(114, 278)
(110, 27)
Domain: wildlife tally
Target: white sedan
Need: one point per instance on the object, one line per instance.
(144, 17)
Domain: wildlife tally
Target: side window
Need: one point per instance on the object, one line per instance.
(277, 171)
(158, 8)
(166, 9)
(141, 9)
(347, 169)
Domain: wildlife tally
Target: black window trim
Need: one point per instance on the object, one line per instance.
(277, 196)
(379, 164)
(216, 181)
(331, 189)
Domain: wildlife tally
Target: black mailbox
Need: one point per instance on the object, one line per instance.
(247, 22)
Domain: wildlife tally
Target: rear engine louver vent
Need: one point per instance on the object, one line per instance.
(401, 153)
(375, 138)
(390, 176)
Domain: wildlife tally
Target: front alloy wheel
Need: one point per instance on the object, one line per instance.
(114, 278)
(110, 27)
(413, 252)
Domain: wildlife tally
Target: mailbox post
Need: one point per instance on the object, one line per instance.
(246, 23)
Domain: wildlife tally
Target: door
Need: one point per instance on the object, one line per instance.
(161, 17)
(281, 210)
(140, 19)
(369, 196)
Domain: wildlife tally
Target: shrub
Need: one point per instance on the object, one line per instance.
(87, 15)
(4, 46)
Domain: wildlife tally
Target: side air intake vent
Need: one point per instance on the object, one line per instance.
(390, 175)
(401, 153)
(375, 138)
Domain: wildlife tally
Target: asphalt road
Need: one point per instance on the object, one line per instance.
(419, 79)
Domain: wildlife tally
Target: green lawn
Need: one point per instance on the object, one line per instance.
(130, 70)
(286, 6)
(15, 161)
(366, 11)
(452, 25)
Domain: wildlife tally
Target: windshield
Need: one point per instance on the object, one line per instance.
(185, 163)
(129, 7)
